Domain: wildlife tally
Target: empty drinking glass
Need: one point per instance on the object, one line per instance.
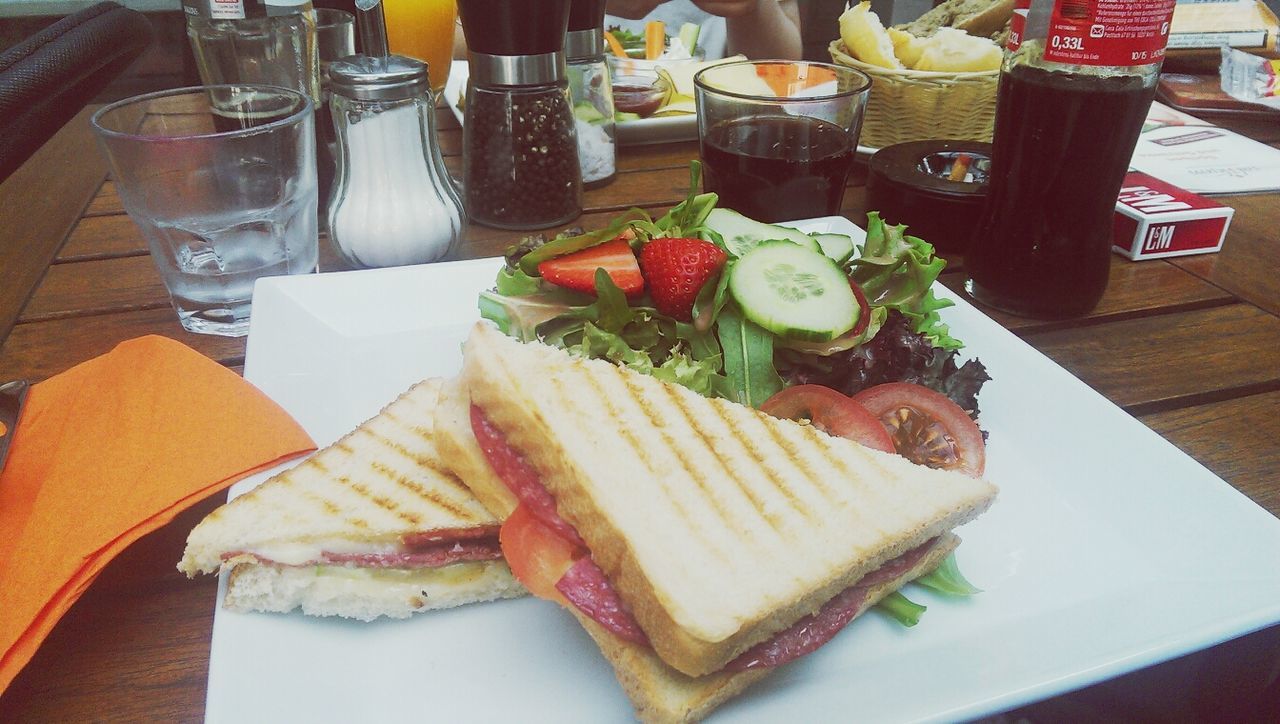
(222, 182)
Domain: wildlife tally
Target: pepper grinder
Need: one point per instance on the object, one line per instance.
(591, 91)
(519, 146)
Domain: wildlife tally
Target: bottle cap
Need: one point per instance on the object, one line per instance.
(366, 78)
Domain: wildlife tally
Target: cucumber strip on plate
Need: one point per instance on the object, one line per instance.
(741, 234)
(836, 247)
(794, 292)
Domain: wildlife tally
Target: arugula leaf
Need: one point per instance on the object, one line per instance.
(901, 609)
(687, 217)
(569, 244)
(748, 359)
(948, 579)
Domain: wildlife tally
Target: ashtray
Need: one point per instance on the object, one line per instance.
(936, 188)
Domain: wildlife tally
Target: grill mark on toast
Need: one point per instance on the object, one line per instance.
(730, 474)
(801, 463)
(695, 472)
(771, 471)
(873, 470)
(426, 432)
(428, 495)
(421, 461)
(647, 460)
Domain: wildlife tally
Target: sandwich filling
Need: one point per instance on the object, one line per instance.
(565, 571)
(428, 549)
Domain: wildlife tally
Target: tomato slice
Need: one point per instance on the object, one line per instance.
(831, 412)
(538, 556)
(926, 426)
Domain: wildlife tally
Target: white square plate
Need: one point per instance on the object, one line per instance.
(1107, 550)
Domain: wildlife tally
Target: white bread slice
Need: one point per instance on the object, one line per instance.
(363, 494)
(379, 482)
(462, 455)
(365, 594)
(717, 524)
(660, 694)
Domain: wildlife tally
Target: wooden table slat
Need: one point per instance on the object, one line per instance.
(1236, 439)
(1156, 361)
(36, 220)
(39, 350)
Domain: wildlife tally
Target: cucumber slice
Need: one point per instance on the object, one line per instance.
(794, 292)
(836, 247)
(689, 36)
(741, 234)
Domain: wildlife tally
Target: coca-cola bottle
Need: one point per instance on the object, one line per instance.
(1077, 82)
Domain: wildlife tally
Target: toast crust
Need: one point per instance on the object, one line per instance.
(461, 454)
(667, 503)
(662, 695)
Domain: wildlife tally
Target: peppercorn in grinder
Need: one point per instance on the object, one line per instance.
(519, 146)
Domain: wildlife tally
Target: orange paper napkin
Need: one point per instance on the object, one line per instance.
(109, 451)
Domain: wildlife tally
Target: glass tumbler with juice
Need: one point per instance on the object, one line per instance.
(1074, 91)
(423, 29)
(778, 138)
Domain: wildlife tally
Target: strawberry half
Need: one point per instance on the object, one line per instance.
(577, 271)
(676, 269)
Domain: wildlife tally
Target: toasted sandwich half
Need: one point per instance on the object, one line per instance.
(708, 541)
(373, 525)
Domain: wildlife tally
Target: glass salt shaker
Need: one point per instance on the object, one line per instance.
(520, 149)
(393, 202)
(591, 92)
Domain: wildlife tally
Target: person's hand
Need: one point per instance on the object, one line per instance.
(729, 8)
(631, 9)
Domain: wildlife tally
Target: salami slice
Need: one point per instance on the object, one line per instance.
(443, 555)
(431, 539)
(586, 587)
(519, 476)
(811, 632)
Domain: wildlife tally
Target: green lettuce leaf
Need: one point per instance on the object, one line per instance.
(948, 579)
(897, 271)
(514, 283)
(901, 609)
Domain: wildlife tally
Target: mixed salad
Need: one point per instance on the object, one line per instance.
(804, 326)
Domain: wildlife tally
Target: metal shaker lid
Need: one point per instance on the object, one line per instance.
(366, 78)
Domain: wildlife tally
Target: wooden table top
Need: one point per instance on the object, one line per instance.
(1189, 346)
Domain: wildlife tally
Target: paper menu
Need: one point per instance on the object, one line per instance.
(1203, 158)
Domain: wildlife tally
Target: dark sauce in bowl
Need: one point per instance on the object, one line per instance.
(636, 95)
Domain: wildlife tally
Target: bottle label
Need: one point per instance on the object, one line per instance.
(1108, 32)
(1017, 24)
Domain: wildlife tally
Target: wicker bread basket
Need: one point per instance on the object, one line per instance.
(917, 105)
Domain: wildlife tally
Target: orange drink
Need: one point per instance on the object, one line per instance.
(423, 29)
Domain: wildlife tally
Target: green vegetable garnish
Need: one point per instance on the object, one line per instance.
(902, 609)
(948, 580)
